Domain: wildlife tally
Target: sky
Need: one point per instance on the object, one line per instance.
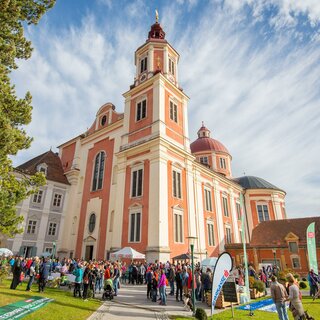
(251, 70)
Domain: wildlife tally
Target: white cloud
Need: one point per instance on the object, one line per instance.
(257, 93)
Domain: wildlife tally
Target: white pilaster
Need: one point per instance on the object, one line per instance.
(234, 217)
(219, 215)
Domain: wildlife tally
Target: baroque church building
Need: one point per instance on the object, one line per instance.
(136, 180)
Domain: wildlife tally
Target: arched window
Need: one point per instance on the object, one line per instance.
(92, 222)
(98, 171)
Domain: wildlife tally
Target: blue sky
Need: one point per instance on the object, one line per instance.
(251, 69)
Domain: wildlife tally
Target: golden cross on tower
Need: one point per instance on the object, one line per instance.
(157, 16)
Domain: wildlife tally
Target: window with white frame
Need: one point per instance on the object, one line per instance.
(178, 226)
(57, 200)
(293, 247)
(42, 168)
(225, 206)
(208, 201)
(238, 207)
(210, 228)
(52, 230)
(204, 160)
(37, 197)
(141, 110)
(136, 183)
(295, 262)
(98, 171)
(223, 163)
(173, 112)
(135, 227)
(31, 227)
(176, 181)
(171, 66)
(263, 212)
(143, 64)
(228, 235)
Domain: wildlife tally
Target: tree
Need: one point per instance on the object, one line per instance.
(15, 113)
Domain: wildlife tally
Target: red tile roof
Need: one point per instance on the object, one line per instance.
(273, 233)
(207, 144)
(52, 160)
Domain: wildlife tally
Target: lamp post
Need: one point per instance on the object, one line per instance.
(192, 241)
(274, 251)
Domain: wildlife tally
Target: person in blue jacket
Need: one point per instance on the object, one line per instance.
(44, 271)
(78, 272)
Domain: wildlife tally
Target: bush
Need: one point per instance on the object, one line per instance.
(251, 282)
(302, 285)
(201, 314)
(304, 279)
(259, 286)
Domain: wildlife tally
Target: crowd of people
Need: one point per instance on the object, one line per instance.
(156, 276)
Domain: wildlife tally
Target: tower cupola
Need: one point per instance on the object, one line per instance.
(203, 132)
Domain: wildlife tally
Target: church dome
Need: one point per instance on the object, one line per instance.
(251, 182)
(206, 143)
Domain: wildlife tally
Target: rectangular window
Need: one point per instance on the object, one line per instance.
(263, 213)
(57, 200)
(228, 235)
(135, 226)
(238, 210)
(176, 178)
(225, 206)
(143, 64)
(31, 228)
(204, 160)
(141, 110)
(293, 247)
(296, 263)
(49, 250)
(210, 234)
(178, 227)
(136, 190)
(171, 66)
(208, 198)
(52, 229)
(173, 112)
(37, 197)
(223, 163)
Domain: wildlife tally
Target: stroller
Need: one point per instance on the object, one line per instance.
(108, 290)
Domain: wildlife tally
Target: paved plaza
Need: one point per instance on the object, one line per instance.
(132, 303)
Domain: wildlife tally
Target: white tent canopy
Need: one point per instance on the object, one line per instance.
(5, 252)
(208, 263)
(127, 253)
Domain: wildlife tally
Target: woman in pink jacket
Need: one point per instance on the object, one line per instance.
(162, 288)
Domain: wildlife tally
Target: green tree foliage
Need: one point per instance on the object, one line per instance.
(15, 113)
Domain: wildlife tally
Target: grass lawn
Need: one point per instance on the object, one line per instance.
(64, 306)
(313, 308)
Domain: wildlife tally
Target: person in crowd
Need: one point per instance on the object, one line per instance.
(134, 274)
(197, 276)
(123, 273)
(32, 273)
(154, 286)
(171, 279)
(178, 278)
(44, 270)
(207, 283)
(86, 281)
(16, 271)
(149, 275)
(116, 275)
(279, 296)
(295, 298)
(185, 277)
(78, 273)
(162, 287)
(99, 278)
(313, 283)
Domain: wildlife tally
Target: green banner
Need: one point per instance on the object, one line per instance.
(20, 309)
(312, 249)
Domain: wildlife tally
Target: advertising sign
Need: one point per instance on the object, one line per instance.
(312, 250)
(220, 275)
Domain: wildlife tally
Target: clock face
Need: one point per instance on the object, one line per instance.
(143, 77)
